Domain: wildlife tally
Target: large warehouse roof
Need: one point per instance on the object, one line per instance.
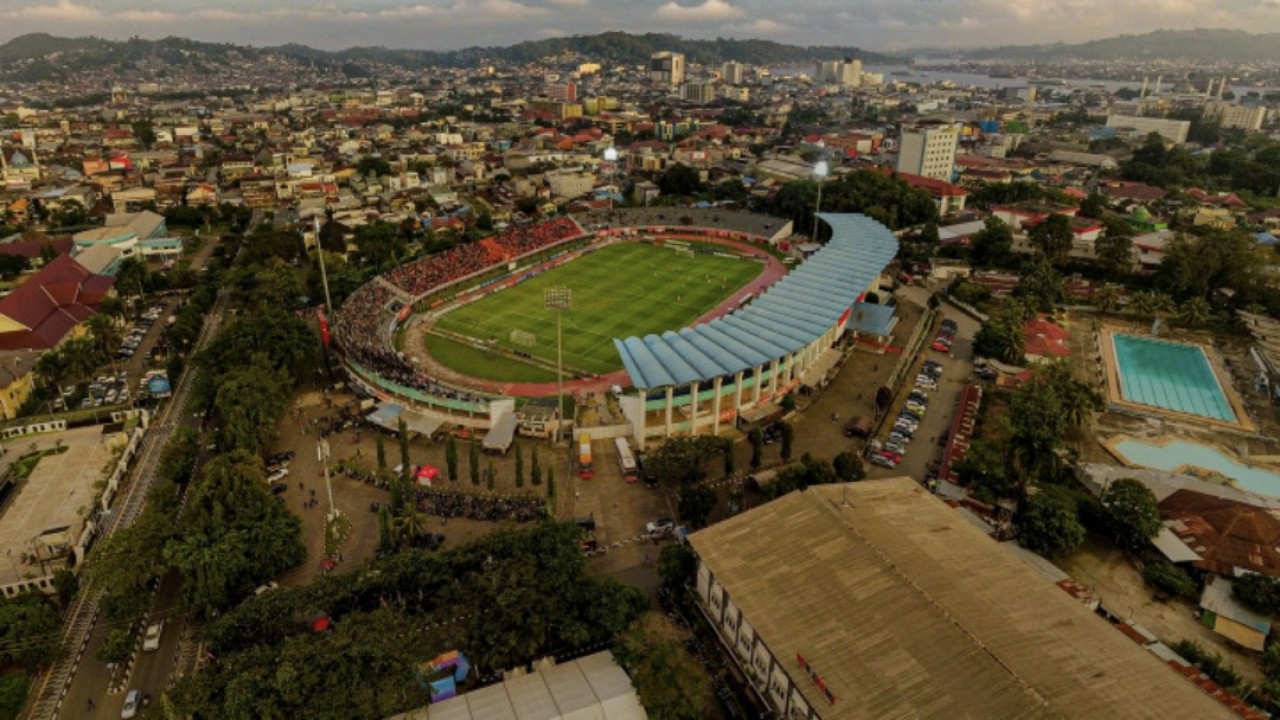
(905, 609)
(785, 318)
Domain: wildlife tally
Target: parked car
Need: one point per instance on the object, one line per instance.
(905, 428)
(269, 585)
(899, 438)
(949, 325)
(890, 455)
(882, 461)
(919, 396)
(896, 448)
(278, 475)
(661, 525)
(910, 415)
(151, 641)
(915, 407)
(926, 382)
(279, 487)
(131, 703)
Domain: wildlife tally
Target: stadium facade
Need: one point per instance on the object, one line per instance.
(702, 378)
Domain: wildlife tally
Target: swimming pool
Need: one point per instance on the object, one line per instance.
(1176, 454)
(1170, 375)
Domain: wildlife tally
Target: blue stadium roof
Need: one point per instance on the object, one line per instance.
(788, 316)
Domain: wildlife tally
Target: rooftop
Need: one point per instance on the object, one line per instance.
(905, 609)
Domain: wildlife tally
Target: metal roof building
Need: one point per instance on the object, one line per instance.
(771, 340)
(876, 600)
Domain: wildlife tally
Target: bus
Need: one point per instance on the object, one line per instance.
(585, 471)
(630, 471)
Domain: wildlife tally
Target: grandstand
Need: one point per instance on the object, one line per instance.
(696, 379)
(771, 229)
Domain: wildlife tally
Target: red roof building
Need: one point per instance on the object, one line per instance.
(45, 308)
(1045, 339)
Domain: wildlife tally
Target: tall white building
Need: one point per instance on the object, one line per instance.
(698, 92)
(1175, 131)
(928, 149)
(1232, 115)
(733, 72)
(847, 72)
(666, 68)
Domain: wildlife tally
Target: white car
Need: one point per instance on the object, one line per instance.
(268, 586)
(926, 382)
(661, 525)
(151, 641)
(131, 703)
(280, 474)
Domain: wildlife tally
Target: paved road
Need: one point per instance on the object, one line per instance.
(83, 634)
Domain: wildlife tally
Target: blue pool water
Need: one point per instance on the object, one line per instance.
(1177, 453)
(1170, 375)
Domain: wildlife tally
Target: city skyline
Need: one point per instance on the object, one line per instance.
(452, 24)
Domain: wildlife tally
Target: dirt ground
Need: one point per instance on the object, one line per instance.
(1114, 578)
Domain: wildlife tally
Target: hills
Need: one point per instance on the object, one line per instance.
(1208, 45)
(42, 56)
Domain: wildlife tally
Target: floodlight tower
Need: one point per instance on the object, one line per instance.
(820, 171)
(611, 156)
(324, 276)
(559, 298)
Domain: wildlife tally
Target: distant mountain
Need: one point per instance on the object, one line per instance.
(1205, 45)
(43, 56)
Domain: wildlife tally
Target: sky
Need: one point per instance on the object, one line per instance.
(450, 24)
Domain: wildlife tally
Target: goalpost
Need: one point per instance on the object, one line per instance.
(523, 338)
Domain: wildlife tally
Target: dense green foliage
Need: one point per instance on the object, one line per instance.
(1049, 523)
(668, 680)
(29, 630)
(1170, 579)
(879, 196)
(503, 600)
(1131, 513)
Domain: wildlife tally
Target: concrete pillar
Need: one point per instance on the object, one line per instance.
(715, 405)
(693, 408)
(791, 367)
(737, 392)
(756, 374)
(670, 401)
(773, 377)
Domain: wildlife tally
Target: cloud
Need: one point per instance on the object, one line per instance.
(568, 3)
(763, 26)
(60, 11)
(708, 11)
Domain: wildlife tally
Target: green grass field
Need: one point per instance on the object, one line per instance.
(484, 364)
(621, 290)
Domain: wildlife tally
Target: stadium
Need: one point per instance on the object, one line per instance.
(694, 311)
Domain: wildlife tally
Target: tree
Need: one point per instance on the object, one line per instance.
(1041, 285)
(848, 467)
(380, 446)
(379, 243)
(1093, 206)
(70, 213)
(12, 265)
(490, 477)
(756, 438)
(106, 333)
(788, 440)
(132, 276)
(997, 339)
(1115, 245)
(1049, 523)
(696, 503)
(374, 166)
(1170, 579)
(728, 457)
(519, 467)
(551, 485)
(451, 457)
(680, 179)
(668, 680)
(116, 647)
(985, 471)
(473, 461)
(1107, 298)
(1053, 237)
(1131, 513)
(28, 630)
(992, 245)
(1194, 312)
(929, 234)
(406, 466)
(683, 460)
(535, 470)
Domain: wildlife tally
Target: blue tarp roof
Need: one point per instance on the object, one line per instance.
(787, 317)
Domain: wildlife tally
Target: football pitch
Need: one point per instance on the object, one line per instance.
(618, 291)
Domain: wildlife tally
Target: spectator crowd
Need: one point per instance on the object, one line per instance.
(363, 324)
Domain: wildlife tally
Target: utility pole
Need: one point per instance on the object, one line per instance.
(322, 454)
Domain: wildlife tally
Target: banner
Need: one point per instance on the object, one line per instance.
(324, 326)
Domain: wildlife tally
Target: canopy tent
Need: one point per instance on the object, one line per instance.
(427, 474)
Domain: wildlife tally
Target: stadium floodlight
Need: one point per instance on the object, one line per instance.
(820, 171)
(559, 298)
(611, 156)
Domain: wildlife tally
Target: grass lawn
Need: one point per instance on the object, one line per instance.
(618, 291)
(483, 364)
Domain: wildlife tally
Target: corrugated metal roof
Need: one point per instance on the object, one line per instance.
(787, 317)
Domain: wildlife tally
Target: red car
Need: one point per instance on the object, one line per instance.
(891, 456)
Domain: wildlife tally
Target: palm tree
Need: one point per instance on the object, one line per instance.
(409, 528)
(1142, 304)
(1194, 312)
(106, 334)
(1107, 298)
(1162, 305)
